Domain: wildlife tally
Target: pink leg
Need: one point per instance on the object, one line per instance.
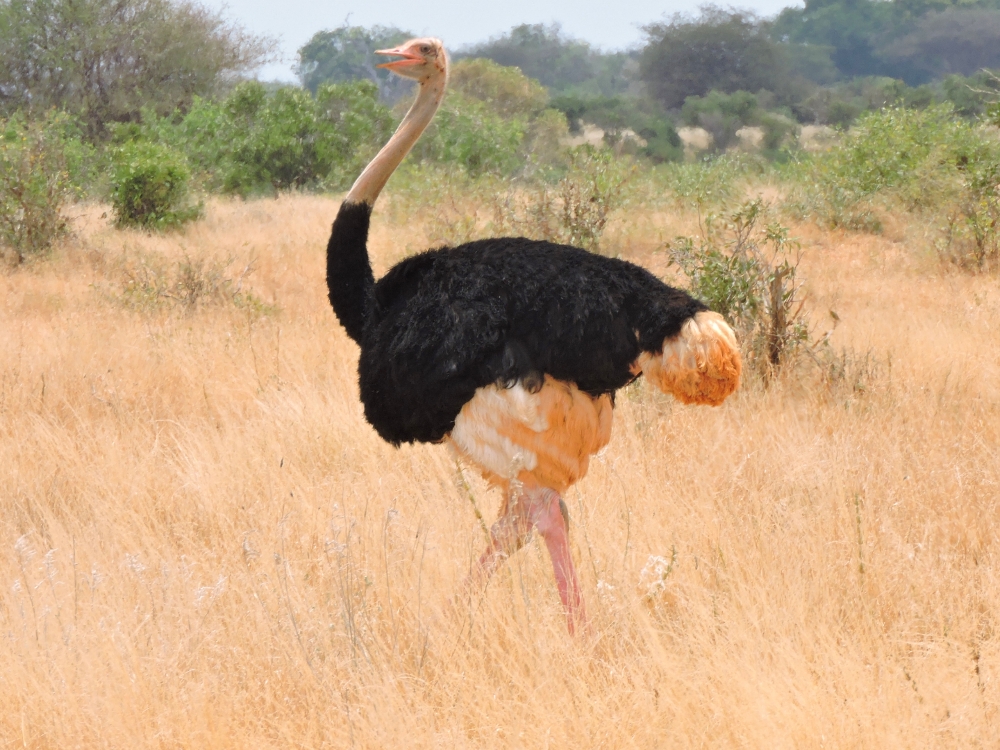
(510, 532)
(534, 508)
(547, 516)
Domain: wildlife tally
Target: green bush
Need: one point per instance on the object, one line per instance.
(914, 159)
(274, 142)
(777, 131)
(712, 184)
(35, 184)
(469, 133)
(292, 140)
(971, 236)
(576, 210)
(259, 142)
(930, 162)
(840, 105)
(355, 127)
(149, 187)
(745, 268)
(507, 90)
(203, 135)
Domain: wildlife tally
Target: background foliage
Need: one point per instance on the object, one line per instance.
(103, 62)
(901, 108)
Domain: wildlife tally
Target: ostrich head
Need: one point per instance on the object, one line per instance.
(423, 59)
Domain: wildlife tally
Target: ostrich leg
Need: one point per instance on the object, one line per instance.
(534, 507)
(546, 513)
(511, 531)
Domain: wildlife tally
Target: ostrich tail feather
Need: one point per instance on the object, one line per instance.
(700, 365)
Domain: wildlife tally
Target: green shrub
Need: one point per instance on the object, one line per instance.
(746, 270)
(34, 185)
(470, 134)
(929, 162)
(842, 113)
(841, 104)
(292, 140)
(528, 133)
(916, 159)
(778, 129)
(355, 127)
(508, 91)
(274, 142)
(711, 184)
(663, 144)
(203, 135)
(259, 142)
(576, 210)
(149, 187)
(971, 236)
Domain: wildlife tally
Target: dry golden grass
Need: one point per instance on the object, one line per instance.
(204, 545)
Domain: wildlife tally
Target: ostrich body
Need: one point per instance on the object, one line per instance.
(511, 349)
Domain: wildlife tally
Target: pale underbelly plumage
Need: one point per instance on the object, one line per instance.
(545, 438)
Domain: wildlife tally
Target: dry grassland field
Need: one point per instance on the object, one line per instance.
(204, 545)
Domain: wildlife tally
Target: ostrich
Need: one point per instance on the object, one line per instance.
(511, 349)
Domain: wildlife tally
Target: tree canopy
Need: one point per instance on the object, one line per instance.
(559, 63)
(722, 50)
(105, 61)
(507, 90)
(915, 40)
(347, 53)
(953, 41)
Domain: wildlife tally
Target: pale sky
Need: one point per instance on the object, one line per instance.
(607, 24)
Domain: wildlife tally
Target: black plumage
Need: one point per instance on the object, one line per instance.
(445, 322)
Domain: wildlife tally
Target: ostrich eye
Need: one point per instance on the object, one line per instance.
(425, 49)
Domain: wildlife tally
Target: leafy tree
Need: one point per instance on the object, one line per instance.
(291, 139)
(507, 90)
(878, 38)
(35, 184)
(954, 41)
(811, 61)
(473, 135)
(347, 53)
(972, 96)
(561, 64)
(725, 50)
(847, 28)
(542, 53)
(104, 61)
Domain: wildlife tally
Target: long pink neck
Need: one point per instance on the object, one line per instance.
(368, 186)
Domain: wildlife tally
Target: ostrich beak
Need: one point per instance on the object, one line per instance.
(409, 58)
